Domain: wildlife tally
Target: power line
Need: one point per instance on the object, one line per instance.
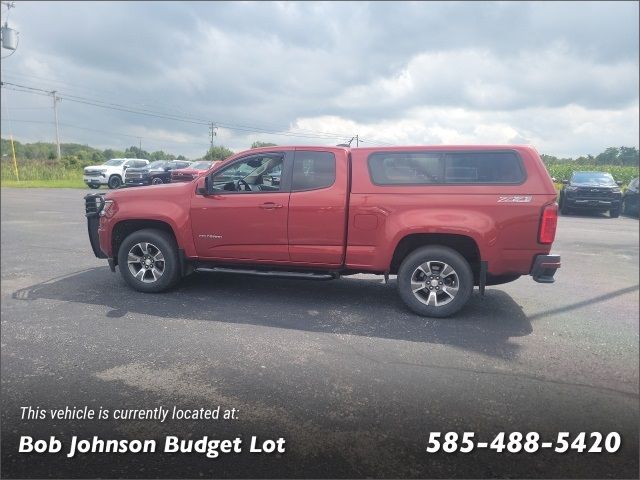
(146, 138)
(332, 135)
(302, 133)
(157, 114)
(54, 81)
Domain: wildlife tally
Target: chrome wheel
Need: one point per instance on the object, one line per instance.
(146, 262)
(435, 283)
(156, 181)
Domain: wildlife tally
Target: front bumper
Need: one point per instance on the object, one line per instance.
(604, 202)
(93, 204)
(94, 180)
(544, 268)
(590, 203)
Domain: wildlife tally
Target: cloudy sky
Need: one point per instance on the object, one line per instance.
(560, 76)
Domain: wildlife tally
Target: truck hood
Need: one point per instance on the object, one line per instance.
(145, 170)
(161, 192)
(96, 167)
(191, 171)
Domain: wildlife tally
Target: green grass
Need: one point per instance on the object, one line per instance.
(563, 171)
(43, 184)
(40, 174)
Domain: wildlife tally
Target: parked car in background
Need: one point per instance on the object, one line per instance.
(191, 172)
(111, 172)
(595, 191)
(153, 174)
(630, 199)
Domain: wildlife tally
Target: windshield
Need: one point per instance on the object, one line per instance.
(113, 163)
(595, 178)
(200, 165)
(157, 164)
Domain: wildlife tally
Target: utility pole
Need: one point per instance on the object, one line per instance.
(212, 132)
(140, 143)
(55, 114)
(357, 144)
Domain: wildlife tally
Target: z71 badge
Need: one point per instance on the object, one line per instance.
(514, 199)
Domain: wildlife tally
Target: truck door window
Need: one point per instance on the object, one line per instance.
(255, 174)
(313, 170)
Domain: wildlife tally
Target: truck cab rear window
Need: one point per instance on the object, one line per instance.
(391, 168)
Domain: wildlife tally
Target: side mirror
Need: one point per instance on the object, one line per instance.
(565, 182)
(125, 167)
(208, 185)
(619, 183)
(554, 179)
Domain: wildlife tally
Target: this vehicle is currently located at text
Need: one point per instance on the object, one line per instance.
(441, 218)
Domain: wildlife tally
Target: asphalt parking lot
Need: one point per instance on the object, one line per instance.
(341, 369)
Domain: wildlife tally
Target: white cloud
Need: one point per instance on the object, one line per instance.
(562, 76)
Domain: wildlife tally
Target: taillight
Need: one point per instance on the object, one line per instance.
(548, 224)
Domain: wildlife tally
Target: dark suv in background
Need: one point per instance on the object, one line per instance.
(153, 174)
(595, 191)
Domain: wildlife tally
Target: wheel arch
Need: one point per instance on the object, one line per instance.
(463, 244)
(123, 229)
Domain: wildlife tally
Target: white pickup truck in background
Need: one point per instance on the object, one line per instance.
(111, 172)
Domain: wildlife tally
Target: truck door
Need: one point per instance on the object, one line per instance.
(318, 207)
(246, 219)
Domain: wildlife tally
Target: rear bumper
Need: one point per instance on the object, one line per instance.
(544, 268)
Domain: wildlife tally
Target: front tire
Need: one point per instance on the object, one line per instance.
(614, 212)
(156, 181)
(435, 281)
(93, 186)
(114, 182)
(148, 261)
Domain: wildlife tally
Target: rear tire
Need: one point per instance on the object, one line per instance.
(564, 210)
(93, 186)
(114, 182)
(156, 181)
(148, 261)
(435, 281)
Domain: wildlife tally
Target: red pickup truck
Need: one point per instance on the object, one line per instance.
(441, 218)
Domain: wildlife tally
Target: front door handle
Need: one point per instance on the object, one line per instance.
(270, 205)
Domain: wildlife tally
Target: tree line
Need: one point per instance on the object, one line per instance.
(622, 156)
(77, 155)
